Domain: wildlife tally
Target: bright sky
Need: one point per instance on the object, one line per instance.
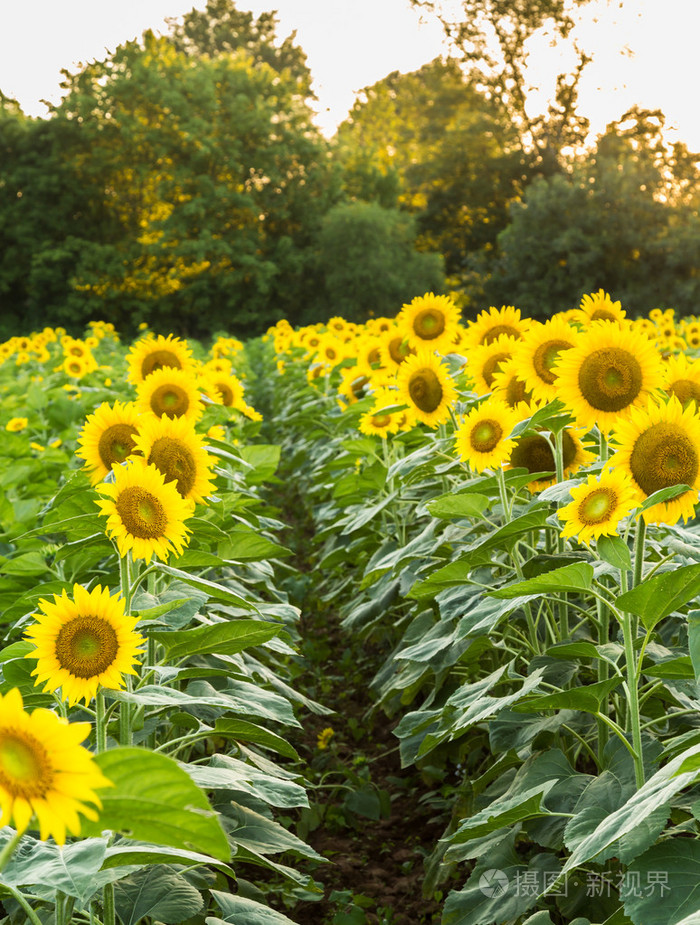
(351, 44)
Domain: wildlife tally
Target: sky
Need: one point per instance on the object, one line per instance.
(645, 50)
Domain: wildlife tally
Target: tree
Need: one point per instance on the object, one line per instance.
(458, 163)
(368, 264)
(214, 180)
(492, 38)
(626, 220)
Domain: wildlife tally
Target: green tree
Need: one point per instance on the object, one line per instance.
(368, 265)
(626, 220)
(492, 38)
(214, 180)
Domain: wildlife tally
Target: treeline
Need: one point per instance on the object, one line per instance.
(182, 181)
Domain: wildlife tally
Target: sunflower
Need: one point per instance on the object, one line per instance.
(659, 446)
(426, 387)
(84, 643)
(683, 379)
(171, 392)
(486, 360)
(151, 354)
(429, 321)
(534, 452)
(44, 770)
(369, 355)
(108, 438)
(537, 352)
(145, 515)
(381, 420)
(598, 505)
(493, 324)
(598, 306)
(509, 386)
(224, 389)
(76, 367)
(482, 439)
(330, 350)
(609, 371)
(173, 447)
(393, 349)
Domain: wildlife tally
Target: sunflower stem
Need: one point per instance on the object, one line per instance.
(100, 723)
(633, 697)
(125, 710)
(603, 674)
(19, 898)
(603, 448)
(9, 850)
(639, 544)
(108, 911)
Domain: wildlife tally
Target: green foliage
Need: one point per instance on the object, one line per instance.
(368, 264)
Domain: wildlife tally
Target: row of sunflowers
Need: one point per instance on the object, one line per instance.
(507, 508)
(146, 690)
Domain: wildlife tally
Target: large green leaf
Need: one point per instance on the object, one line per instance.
(452, 505)
(241, 911)
(577, 576)
(657, 597)
(225, 638)
(662, 886)
(503, 812)
(587, 698)
(43, 865)
(154, 800)
(211, 588)
(160, 893)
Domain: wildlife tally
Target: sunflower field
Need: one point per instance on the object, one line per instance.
(390, 623)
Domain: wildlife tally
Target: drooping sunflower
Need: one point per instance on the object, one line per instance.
(610, 371)
(84, 643)
(485, 361)
(176, 450)
(108, 438)
(598, 306)
(145, 515)
(682, 379)
(482, 439)
(429, 321)
(493, 324)
(534, 452)
(598, 505)
(536, 353)
(424, 384)
(509, 386)
(172, 392)
(151, 354)
(659, 446)
(44, 770)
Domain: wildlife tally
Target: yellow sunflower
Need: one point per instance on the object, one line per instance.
(76, 367)
(172, 392)
(108, 438)
(84, 643)
(330, 350)
(151, 354)
(429, 321)
(482, 439)
(659, 446)
(44, 770)
(145, 515)
(509, 386)
(424, 385)
(610, 371)
(534, 452)
(176, 450)
(224, 389)
(485, 361)
(598, 505)
(393, 349)
(598, 306)
(493, 324)
(535, 355)
(682, 379)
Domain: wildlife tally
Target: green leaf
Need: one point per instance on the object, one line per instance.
(160, 893)
(154, 800)
(588, 698)
(657, 597)
(661, 886)
(663, 494)
(244, 544)
(577, 576)
(221, 638)
(241, 730)
(694, 641)
(241, 911)
(29, 564)
(212, 588)
(264, 458)
(614, 551)
(458, 505)
(70, 868)
(146, 855)
(503, 812)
